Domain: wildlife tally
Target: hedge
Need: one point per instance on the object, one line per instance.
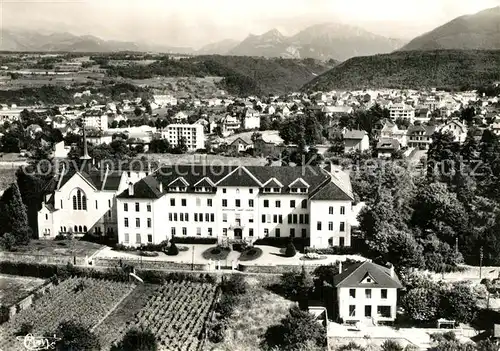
(115, 273)
(334, 250)
(299, 243)
(193, 240)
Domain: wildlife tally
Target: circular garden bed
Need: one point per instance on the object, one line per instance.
(250, 254)
(216, 253)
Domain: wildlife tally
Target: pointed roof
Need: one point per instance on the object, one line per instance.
(145, 188)
(205, 182)
(240, 177)
(180, 181)
(272, 183)
(332, 192)
(295, 184)
(354, 275)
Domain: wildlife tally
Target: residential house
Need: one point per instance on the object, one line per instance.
(192, 134)
(230, 124)
(457, 128)
(386, 147)
(389, 130)
(356, 140)
(366, 291)
(423, 115)
(240, 145)
(420, 136)
(332, 111)
(251, 119)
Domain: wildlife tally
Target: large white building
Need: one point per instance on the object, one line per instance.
(403, 111)
(242, 203)
(193, 135)
(99, 121)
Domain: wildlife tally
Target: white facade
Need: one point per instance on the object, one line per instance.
(193, 135)
(402, 111)
(98, 121)
(457, 129)
(252, 122)
(356, 304)
(236, 210)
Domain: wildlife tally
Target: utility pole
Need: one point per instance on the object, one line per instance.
(456, 245)
(480, 262)
(192, 260)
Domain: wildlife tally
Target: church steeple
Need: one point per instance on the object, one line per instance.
(85, 155)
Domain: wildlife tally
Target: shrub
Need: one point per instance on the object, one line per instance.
(24, 329)
(193, 240)
(391, 345)
(290, 250)
(336, 250)
(236, 285)
(75, 336)
(172, 250)
(149, 253)
(240, 247)
(216, 331)
(137, 340)
(183, 248)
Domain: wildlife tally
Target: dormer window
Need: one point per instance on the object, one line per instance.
(182, 188)
(207, 189)
(303, 190)
(267, 190)
(293, 190)
(277, 190)
(198, 189)
(172, 188)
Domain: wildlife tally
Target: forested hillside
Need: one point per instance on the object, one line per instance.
(447, 69)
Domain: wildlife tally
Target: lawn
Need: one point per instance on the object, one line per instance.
(59, 247)
(13, 288)
(258, 309)
(251, 254)
(216, 253)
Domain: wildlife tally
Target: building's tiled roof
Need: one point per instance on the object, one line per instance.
(240, 177)
(428, 130)
(146, 188)
(388, 144)
(95, 177)
(352, 276)
(355, 134)
(331, 191)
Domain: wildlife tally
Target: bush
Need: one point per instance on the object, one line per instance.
(149, 253)
(137, 340)
(337, 250)
(236, 285)
(290, 250)
(216, 331)
(25, 329)
(75, 336)
(391, 345)
(172, 250)
(193, 240)
(299, 243)
(240, 247)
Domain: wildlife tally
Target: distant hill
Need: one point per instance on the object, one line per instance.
(22, 40)
(219, 48)
(451, 69)
(323, 41)
(241, 75)
(480, 31)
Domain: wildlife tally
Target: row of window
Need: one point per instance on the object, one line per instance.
(184, 231)
(138, 238)
(137, 207)
(382, 311)
(319, 226)
(368, 293)
(137, 222)
(76, 229)
(198, 217)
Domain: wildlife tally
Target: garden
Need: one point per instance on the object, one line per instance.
(83, 300)
(177, 313)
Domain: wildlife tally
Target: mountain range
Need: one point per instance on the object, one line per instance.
(480, 31)
(323, 41)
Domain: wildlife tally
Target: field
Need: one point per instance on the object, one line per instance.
(176, 314)
(59, 247)
(84, 300)
(13, 289)
(257, 310)
(202, 159)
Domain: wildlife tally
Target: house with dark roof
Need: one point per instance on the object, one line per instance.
(356, 140)
(366, 291)
(420, 136)
(386, 147)
(236, 203)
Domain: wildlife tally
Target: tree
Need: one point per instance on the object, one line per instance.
(290, 250)
(421, 304)
(172, 249)
(294, 331)
(297, 285)
(13, 215)
(138, 111)
(235, 285)
(137, 340)
(458, 303)
(76, 337)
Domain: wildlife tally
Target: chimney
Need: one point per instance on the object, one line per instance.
(340, 267)
(391, 270)
(105, 177)
(130, 189)
(160, 186)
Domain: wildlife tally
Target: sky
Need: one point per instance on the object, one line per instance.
(193, 23)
